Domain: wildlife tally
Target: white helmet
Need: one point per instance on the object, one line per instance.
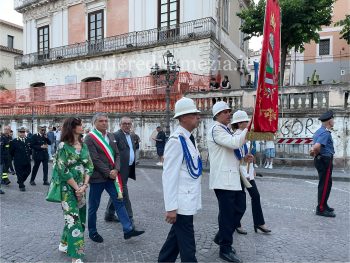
(239, 116)
(185, 106)
(219, 107)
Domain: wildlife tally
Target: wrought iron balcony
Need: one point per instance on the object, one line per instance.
(188, 31)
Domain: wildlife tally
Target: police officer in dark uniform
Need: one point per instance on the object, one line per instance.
(20, 152)
(39, 144)
(5, 155)
(323, 151)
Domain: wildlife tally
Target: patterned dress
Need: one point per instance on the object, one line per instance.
(69, 163)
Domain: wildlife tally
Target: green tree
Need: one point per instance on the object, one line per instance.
(300, 22)
(3, 72)
(345, 32)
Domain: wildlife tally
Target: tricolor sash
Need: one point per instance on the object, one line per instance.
(241, 152)
(109, 152)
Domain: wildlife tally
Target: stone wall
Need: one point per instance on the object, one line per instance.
(294, 122)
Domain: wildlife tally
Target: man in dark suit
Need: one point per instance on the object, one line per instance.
(127, 148)
(20, 152)
(39, 144)
(105, 157)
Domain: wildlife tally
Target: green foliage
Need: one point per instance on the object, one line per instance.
(345, 32)
(4, 71)
(301, 21)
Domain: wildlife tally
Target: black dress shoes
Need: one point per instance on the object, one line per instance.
(325, 213)
(96, 238)
(330, 209)
(230, 257)
(46, 183)
(133, 233)
(32, 183)
(111, 218)
(216, 241)
(22, 189)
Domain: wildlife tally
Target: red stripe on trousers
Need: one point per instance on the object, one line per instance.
(325, 185)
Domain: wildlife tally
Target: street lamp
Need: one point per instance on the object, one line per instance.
(171, 72)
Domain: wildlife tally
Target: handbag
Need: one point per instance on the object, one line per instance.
(54, 192)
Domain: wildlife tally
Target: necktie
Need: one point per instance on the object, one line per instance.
(192, 140)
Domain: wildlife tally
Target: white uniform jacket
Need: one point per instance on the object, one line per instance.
(181, 191)
(224, 166)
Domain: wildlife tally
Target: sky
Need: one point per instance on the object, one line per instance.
(7, 13)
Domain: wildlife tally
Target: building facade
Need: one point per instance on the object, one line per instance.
(11, 40)
(328, 60)
(72, 41)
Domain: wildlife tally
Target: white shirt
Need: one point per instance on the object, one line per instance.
(58, 135)
(181, 192)
(270, 145)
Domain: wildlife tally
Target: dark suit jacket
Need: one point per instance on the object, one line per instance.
(20, 151)
(124, 150)
(37, 141)
(102, 167)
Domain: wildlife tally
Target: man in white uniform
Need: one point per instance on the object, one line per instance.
(182, 169)
(225, 178)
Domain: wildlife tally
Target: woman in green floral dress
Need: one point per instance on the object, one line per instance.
(73, 167)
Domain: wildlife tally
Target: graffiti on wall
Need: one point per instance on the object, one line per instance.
(297, 127)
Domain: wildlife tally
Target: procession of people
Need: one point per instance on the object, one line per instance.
(101, 160)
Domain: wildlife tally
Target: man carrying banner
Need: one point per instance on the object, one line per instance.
(225, 178)
(105, 157)
(181, 178)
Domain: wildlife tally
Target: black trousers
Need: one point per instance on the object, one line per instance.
(232, 205)
(324, 166)
(258, 216)
(36, 168)
(6, 166)
(180, 240)
(22, 172)
(110, 210)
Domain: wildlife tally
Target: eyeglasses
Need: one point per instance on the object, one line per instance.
(21, 131)
(126, 123)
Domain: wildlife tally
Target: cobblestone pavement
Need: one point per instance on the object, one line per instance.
(31, 227)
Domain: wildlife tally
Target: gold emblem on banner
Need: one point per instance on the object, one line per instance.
(269, 114)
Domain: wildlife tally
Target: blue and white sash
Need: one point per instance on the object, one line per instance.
(241, 152)
(194, 171)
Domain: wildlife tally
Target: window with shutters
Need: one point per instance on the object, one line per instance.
(43, 42)
(225, 12)
(10, 41)
(324, 47)
(95, 26)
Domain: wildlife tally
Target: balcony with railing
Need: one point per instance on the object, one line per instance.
(188, 31)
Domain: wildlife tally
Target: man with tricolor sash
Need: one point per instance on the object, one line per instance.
(182, 170)
(105, 157)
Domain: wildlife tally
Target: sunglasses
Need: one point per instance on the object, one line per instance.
(21, 131)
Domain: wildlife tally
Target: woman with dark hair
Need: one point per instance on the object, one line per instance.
(239, 123)
(73, 169)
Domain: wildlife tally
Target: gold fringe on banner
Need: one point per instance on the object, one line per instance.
(260, 136)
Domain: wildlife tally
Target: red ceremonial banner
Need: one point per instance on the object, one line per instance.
(266, 107)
